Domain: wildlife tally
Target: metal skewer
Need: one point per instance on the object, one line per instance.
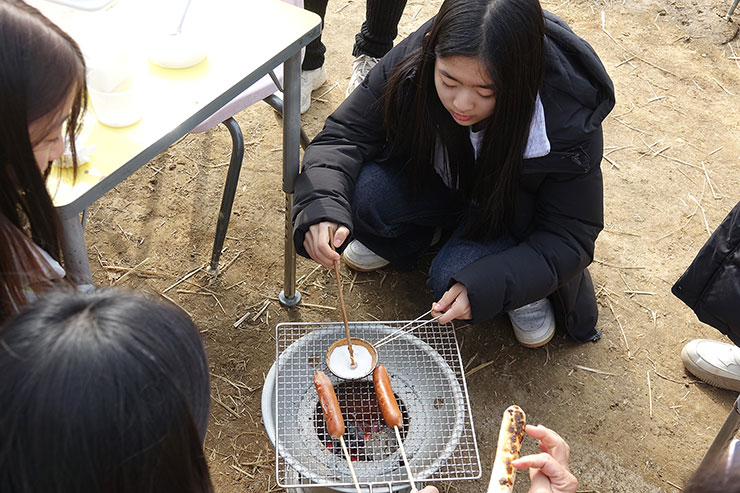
(405, 460)
(390, 337)
(349, 463)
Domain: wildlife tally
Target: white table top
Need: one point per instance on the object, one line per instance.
(245, 39)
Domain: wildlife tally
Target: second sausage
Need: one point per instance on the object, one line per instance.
(386, 399)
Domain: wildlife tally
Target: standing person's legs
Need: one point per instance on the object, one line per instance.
(313, 73)
(315, 50)
(375, 38)
(380, 28)
(393, 223)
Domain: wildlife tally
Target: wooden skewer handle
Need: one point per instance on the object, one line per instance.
(405, 460)
(349, 463)
(341, 303)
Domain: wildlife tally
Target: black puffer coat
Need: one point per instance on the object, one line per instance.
(559, 211)
(711, 284)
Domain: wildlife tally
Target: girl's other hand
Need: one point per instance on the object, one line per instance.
(549, 470)
(429, 489)
(316, 242)
(454, 303)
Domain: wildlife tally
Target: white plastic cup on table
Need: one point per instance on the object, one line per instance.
(114, 86)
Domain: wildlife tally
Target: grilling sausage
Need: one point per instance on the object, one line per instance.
(386, 399)
(329, 404)
(510, 438)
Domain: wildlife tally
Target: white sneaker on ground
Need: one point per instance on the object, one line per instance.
(533, 324)
(359, 257)
(717, 363)
(436, 237)
(360, 67)
(310, 81)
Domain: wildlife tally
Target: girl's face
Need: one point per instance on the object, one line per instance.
(465, 89)
(46, 134)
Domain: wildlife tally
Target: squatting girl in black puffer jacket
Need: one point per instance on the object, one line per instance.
(485, 123)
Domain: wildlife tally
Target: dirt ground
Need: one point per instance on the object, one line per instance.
(636, 421)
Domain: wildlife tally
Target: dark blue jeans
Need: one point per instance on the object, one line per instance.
(399, 226)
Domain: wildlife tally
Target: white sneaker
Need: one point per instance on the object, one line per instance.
(436, 237)
(360, 68)
(310, 81)
(717, 363)
(533, 324)
(359, 257)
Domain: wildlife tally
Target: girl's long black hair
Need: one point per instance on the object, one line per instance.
(105, 392)
(507, 38)
(40, 66)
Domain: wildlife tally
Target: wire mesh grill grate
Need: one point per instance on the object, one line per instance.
(427, 378)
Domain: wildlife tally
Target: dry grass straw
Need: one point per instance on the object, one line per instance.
(614, 266)
(716, 195)
(734, 57)
(650, 394)
(179, 306)
(690, 216)
(621, 329)
(261, 311)
(479, 368)
(242, 471)
(633, 55)
(617, 232)
(305, 278)
(237, 385)
(227, 408)
(594, 370)
(130, 271)
(611, 161)
(703, 214)
(723, 87)
(183, 278)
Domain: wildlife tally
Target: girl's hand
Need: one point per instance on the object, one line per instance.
(316, 242)
(454, 303)
(549, 470)
(429, 489)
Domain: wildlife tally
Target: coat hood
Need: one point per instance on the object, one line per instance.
(577, 92)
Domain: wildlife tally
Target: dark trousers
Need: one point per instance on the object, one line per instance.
(399, 226)
(376, 35)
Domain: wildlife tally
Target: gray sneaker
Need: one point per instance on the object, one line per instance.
(533, 324)
(360, 68)
(717, 363)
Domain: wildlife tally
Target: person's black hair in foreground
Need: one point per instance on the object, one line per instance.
(105, 392)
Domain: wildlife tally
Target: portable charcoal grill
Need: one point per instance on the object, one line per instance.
(429, 384)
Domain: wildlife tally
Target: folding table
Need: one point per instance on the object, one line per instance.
(249, 38)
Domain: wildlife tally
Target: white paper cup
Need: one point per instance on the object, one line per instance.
(115, 96)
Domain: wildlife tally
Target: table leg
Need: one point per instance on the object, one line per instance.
(75, 253)
(289, 296)
(728, 16)
(227, 201)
